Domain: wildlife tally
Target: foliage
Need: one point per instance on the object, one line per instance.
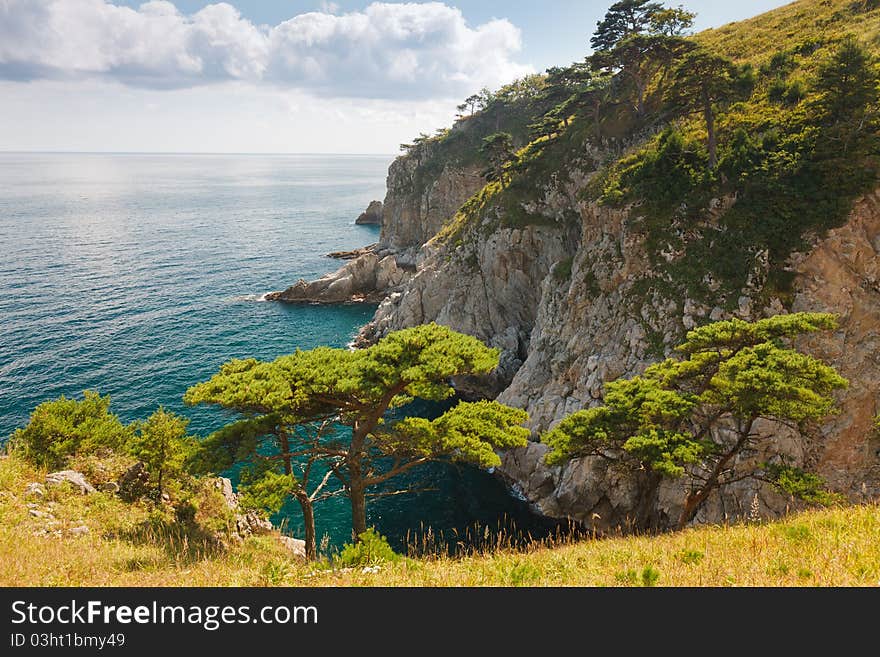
(700, 82)
(696, 415)
(64, 427)
(371, 549)
(624, 19)
(269, 492)
(794, 171)
(297, 399)
(162, 443)
(650, 576)
(498, 149)
(800, 484)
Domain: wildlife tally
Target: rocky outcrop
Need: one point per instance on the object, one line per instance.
(248, 523)
(597, 327)
(564, 335)
(423, 193)
(372, 216)
(75, 479)
(353, 253)
(368, 278)
(563, 290)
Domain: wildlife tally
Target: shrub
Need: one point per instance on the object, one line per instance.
(63, 427)
(372, 549)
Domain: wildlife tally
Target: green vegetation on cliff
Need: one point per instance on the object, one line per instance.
(697, 417)
(733, 148)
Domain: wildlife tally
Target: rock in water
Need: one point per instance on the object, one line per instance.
(366, 279)
(74, 478)
(372, 216)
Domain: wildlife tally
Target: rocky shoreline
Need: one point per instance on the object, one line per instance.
(560, 298)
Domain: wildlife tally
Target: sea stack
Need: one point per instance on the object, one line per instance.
(372, 216)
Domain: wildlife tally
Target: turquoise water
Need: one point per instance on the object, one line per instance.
(138, 275)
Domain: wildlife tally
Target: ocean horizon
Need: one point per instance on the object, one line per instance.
(138, 275)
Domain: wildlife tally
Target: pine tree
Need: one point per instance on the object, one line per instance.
(161, 442)
(694, 417)
(303, 399)
(700, 83)
(498, 150)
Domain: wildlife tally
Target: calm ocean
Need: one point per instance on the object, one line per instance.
(138, 275)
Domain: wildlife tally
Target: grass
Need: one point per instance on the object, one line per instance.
(836, 547)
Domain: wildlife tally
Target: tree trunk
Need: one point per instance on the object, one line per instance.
(710, 129)
(691, 503)
(358, 511)
(160, 484)
(646, 504)
(308, 511)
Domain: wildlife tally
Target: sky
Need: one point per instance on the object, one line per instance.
(274, 76)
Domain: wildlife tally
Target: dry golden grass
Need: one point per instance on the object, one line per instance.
(836, 547)
(757, 39)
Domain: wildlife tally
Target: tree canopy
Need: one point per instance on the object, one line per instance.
(701, 81)
(693, 417)
(295, 402)
(622, 20)
(162, 444)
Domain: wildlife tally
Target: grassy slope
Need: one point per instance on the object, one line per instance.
(836, 548)
(756, 39)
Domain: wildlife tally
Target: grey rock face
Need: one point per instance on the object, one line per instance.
(368, 278)
(372, 216)
(419, 203)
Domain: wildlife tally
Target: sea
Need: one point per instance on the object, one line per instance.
(138, 275)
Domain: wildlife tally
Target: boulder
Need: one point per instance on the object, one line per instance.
(108, 487)
(72, 477)
(297, 547)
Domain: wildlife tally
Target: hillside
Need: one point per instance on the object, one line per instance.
(617, 228)
(828, 548)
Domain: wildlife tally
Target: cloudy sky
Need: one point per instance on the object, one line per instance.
(275, 76)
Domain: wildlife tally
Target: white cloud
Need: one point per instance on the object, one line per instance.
(390, 51)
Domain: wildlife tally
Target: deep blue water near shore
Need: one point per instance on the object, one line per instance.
(138, 275)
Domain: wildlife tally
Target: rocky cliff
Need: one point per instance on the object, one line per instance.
(566, 303)
(568, 307)
(577, 292)
(420, 197)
